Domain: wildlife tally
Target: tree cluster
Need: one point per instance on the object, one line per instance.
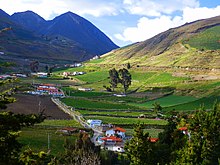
(10, 124)
(122, 76)
(200, 145)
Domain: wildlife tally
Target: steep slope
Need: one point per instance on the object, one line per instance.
(19, 43)
(170, 48)
(68, 36)
(30, 20)
(81, 31)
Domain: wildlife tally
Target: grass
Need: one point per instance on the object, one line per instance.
(168, 101)
(68, 123)
(93, 77)
(152, 132)
(93, 104)
(72, 92)
(112, 112)
(120, 120)
(208, 40)
(36, 138)
(207, 102)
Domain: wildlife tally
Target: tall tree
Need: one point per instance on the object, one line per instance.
(139, 148)
(114, 78)
(10, 124)
(83, 151)
(203, 147)
(125, 78)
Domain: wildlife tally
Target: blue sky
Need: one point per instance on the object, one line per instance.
(124, 21)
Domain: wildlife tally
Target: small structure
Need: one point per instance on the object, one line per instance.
(153, 140)
(120, 132)
(85, 89)
(42, 75)
(184, 130)
(93, 123)
(67, 131)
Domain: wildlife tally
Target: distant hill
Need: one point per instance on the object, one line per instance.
(67, 38)
(194, 44)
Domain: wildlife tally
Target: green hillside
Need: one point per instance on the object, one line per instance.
(207, 40)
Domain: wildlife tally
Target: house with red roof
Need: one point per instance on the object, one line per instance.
(153, 140)
(184, 130)
(115, 131)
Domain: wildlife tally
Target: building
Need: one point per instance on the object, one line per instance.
(85, 89)
(93, 123)
(120, 132)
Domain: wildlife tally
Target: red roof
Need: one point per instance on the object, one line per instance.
(183, 128)
(119, 129)
(112, 138)
(154, 140)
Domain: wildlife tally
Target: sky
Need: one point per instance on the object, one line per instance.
(123, 21)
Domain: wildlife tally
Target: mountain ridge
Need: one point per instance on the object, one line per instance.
(29, 32)
(169, 48)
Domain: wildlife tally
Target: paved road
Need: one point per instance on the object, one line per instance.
(78, 117)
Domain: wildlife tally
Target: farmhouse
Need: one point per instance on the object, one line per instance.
(48, 89)
(116, 131)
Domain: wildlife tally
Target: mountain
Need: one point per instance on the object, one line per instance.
(30, 20)
(67, 38)
(80, 30)
(176, 47)
(20, 44)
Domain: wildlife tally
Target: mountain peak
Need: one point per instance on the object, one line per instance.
(29, 20)
(3, 14)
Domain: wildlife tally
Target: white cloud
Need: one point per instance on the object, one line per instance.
(47, 8)
(157, 7)
(190, 14)
(147, 28)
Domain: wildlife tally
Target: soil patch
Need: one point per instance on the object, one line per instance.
(33, 104)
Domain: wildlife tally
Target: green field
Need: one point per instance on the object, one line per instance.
(168, 101)
(208, 40)
(36, 137)
(207, 102)
(120, 120)
(60, 123)
(94, 104)
(73, 92)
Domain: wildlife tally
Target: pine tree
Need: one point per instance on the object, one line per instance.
(139, 148)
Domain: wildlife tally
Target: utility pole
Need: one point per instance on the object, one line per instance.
(48, 141)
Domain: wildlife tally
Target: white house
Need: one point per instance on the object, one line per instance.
(116, 131)
(85, 89)
(93, 123)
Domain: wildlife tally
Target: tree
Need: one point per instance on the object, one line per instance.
(83, 151)
(157, 107)
(41, 158)
(125, 78)
(203, 147)
(114, 78)
(128, 66)
(139, 148)
(10, 124)
(34, 66)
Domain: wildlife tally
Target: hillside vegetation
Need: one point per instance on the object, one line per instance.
(193, 45)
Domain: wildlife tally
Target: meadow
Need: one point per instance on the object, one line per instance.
(36, 137)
